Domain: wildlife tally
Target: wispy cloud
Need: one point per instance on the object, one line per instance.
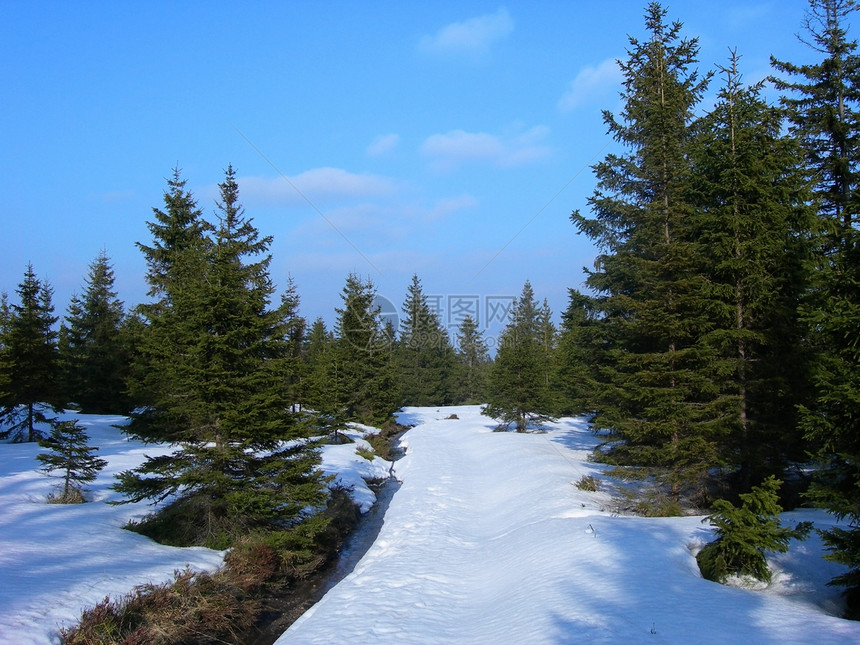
(472, 37)
(117, 196)
(446, 207)
(749, 13)
(592, 83)
(382, 145)
(318, 185)
(453, 149)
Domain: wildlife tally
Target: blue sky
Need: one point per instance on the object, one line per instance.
(447, 139)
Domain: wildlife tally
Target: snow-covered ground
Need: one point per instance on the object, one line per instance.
(56, 560)
(488, 540)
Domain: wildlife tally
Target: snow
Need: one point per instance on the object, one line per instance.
(352, 471)
(56, 560)
(487, 540)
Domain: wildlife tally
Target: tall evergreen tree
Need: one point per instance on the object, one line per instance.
(5, 316)
(579, 357)
(750, 229)
(29, 361)
(176, 270)
(228, 407)
(295, 330)
(518, 392)
(93, 353)
(821, 101)
(362, 383)
(653, 385)
(547, 336)
(5, 320)
(473, 358)
(425, 356)
(319, 344)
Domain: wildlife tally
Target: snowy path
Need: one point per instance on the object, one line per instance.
(488, 541)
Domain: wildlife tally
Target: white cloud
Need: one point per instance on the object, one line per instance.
(455, 148)
(382, 144)
(472, 37)
(318, 184)
(445, 207)
(117, 196)
(592, 83)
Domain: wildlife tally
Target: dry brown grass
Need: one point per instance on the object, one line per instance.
(222, 607)
(195, 607)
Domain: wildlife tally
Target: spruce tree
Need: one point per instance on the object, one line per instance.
(473, 359)
(296, 329)
(821, 101)
(547, 336)
(5, 320)
(176, 270)
(425, 356)
(750, 230)
(320, 386)
(746, 534)
(227, 409)
(29, 363)
(653, 384)
(579, 357)
(518, 392)
(71, 454)
(362, 382)
(93, 353)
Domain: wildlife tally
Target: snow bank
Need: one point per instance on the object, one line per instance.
(56, 560)
(353, 471)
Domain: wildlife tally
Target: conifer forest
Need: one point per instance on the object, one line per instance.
(714, 345)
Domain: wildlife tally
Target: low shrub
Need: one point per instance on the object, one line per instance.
(588, 483)
(367, 453)
(192, 521)
(72, 495)
(650, 501)
(194, 607)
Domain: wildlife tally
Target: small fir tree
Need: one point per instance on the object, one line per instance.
(318, 344)
(71, 455)
(746, 534)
